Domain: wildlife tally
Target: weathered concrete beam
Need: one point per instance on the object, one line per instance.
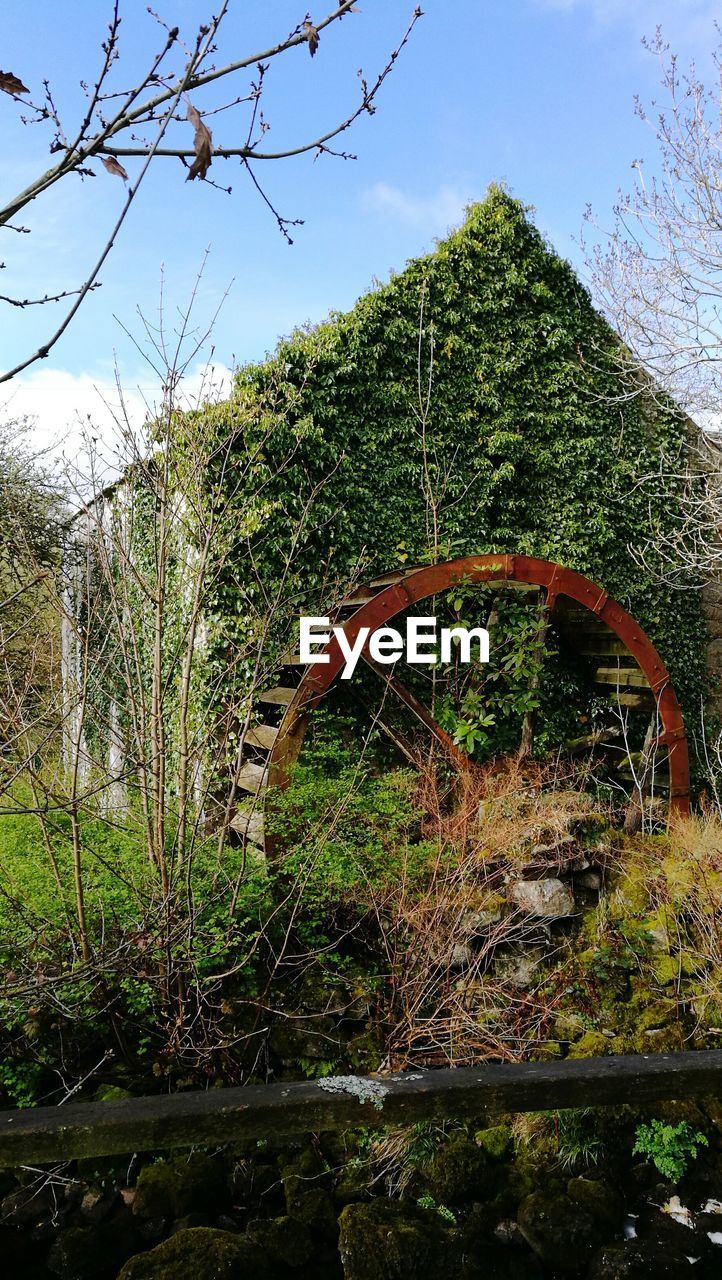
(46, 1135)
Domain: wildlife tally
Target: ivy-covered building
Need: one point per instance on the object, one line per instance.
(474, 403)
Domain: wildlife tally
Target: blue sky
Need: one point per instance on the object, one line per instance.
(535, 93)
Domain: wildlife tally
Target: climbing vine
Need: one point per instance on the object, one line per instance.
(539, 453)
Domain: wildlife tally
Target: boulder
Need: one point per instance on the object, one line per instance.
(28, 1204)
(188, 1184)
(96, 1204)
(93, 1253)
(494, 1260)
(519, 968)
(603, 1203)
(496, 1141)
(388, 1240)
(473, 924)
(203, 1253)
(307, 1189)
(549, 899)
(283, 1238)
(640, 1260)
(564, 1234)
(591, 880)
(459, 1172)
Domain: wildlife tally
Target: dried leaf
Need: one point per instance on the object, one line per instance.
(311, 35)
(115, 167)
(11, 84)
(202, 144)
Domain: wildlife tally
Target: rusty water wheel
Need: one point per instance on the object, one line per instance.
(630, 673)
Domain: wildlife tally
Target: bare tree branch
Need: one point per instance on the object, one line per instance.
(154, 102)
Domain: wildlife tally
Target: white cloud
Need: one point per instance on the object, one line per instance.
(682, 20)
(433, 214)
(67, 412)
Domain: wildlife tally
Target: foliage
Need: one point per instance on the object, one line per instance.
(579, 1144)
(345, 830)
(545, 457)
(482, 706)
(669, 1146)
(426, 1201)
(31, 519)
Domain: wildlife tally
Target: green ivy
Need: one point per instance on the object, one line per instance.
(529, 447)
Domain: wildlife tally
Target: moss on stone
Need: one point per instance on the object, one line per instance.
(202, 1253)
(458, 1172)
(592, 1045)
(563, 1233)
(354, 1183)
(284, 1238)
(187, 1184)
(496, 1141)
(388, 1240)
(307, 1188)
(599, 1199)
(568, 1026)
(669, 1039)
(111, 1093)
(93, 1253)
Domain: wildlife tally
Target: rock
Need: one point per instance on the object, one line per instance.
(562, 1233)
(460, 956)
(568, 1026)
(387, 1240)
(560, 858)
(589, 824)
(306, 1186)
(202, 1254)
(27, 1204)
(496, 1260)
(549, 899)
(93, 1253)
(283, 1238)
(507, 1232)
(496, 1141)
(150, 1229)
(458, 1173)
(193, 1184)
(96, 1204)
(591, 880)
(519, 968)
(354, 1183)
(45, 1232)
(600, 1200)
(593, 1044)
(656, 930)
(315, 1209)
(111, 1093)
(188, 1222)
(448, 954)
(226, 1223)
(640, 1260)
(254, 1182)
(475, 923)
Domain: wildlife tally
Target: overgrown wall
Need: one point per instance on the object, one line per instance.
(528, 444)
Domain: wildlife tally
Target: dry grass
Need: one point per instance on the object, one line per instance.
(450, 1000)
